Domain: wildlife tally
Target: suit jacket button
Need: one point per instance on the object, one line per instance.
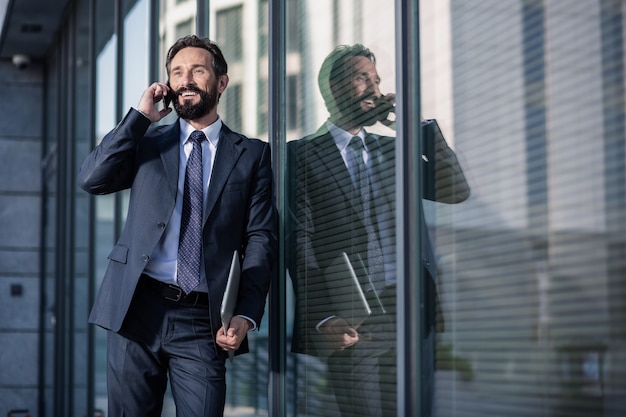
(161, 225)
(145, 258)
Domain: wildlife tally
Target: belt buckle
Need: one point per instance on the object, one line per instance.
(178, 296)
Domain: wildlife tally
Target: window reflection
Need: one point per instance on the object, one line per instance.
(135, 53)
(340, 240)
(104, 205)
(82, 143)
(531, 264)
(228, 31)
(50, 167)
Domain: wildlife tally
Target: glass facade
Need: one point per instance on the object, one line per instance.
(497, 186)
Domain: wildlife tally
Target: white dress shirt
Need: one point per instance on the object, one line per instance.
(163, 262)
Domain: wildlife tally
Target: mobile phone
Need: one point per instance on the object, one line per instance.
(169, 97)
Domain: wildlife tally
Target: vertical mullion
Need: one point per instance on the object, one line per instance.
(203, 8)
(153, 40)
(408, 206)
(91, 269)
(69, 214)
(276, 129)
(118, 21)
(60, 329)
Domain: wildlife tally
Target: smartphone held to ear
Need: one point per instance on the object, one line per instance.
(169, 97)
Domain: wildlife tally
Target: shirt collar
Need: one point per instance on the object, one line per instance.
(340, 136)
(212, 131)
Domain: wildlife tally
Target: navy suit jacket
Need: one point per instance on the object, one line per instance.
(239, 213)
(324, 222)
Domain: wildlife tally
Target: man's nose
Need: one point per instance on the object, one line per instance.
(373, 87)
(188, 78)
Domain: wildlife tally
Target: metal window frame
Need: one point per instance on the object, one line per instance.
(409, 208)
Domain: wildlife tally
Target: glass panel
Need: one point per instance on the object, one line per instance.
(81, 145)
(247, 376)
(50, 175)
(230, 35)
(228, 30)
(530, 95)
(175, 21)
(340, 242)
(185, 28)
(262, 77)
(136, 69)
(135, 53)
(105, 89)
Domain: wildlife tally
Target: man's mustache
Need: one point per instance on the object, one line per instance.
(381, 105)
(193, 88)
(357, 100)
(367, 96)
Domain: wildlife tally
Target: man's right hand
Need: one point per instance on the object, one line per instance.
(152, 95)
(339, 333)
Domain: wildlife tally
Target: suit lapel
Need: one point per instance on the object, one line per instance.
(330, 161)
(169, 145)
(382, 153)
(227, 154)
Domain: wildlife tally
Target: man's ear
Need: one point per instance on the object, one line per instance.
(222, 83)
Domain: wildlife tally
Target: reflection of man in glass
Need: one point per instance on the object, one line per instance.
(342, 198)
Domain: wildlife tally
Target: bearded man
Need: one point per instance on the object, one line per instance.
(198, 193)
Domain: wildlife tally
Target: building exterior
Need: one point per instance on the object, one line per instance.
(532, 267)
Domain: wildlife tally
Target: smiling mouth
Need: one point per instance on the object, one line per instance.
(369, 102)
(188, 94)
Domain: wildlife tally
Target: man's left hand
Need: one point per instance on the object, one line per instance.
(235, 334)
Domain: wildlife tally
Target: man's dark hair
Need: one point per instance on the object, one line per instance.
(218, 63)
(333, 70)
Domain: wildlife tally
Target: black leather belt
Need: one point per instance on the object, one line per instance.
(175, 294)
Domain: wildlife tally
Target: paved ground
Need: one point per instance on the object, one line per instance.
(170, 411)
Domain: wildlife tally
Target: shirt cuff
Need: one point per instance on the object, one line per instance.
(317, 327)
(250, 320)
(144, 115)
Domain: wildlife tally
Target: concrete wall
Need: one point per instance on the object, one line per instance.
(21, 116)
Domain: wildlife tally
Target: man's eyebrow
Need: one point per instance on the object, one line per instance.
(366, 74)
(193, 66)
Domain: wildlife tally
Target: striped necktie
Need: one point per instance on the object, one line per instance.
(375, 261)
(190, 243)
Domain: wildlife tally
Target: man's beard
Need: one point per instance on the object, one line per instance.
(189, 111)
(352, 111)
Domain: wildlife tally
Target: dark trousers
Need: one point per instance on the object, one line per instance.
(364, 376)
(161, 339)
(363, 379)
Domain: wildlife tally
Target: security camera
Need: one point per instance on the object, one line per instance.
(21, 61)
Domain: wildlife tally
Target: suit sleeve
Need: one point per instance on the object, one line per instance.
(444, 180)
(260, 243)
(110, 167)
(308, 280)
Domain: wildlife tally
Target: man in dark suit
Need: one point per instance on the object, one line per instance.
(342, 200)
(199, 191)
